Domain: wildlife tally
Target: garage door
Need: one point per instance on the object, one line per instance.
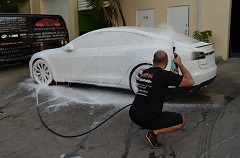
(178, 18)
(146, 17)
(59, 7)
(83, 5)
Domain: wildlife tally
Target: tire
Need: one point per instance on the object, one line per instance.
(42, 72)
(134, 77)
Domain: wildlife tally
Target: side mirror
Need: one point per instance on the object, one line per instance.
(68, 47)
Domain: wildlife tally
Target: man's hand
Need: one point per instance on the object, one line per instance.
(178, 61)
(187, 80)
(174, 71)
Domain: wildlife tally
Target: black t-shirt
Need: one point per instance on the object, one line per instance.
(152, 90)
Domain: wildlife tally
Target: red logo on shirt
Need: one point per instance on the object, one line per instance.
(147, 75)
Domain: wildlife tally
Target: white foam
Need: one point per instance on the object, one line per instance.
(62, 96)
(78, 95)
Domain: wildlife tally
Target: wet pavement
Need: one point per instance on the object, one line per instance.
(212, 128)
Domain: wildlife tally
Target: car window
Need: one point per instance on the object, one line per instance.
(141, 39)
(88, 40)
(116, 39)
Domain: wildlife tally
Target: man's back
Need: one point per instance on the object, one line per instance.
(153, 87)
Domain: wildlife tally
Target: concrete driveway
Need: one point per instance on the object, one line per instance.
(212, 128)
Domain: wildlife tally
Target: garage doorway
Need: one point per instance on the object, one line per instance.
(86, 22)
(234, 46)
(59, 7)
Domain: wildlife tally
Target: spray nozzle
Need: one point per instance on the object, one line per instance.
(175, 54)
(173, 65)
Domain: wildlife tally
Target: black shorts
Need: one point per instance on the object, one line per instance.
(163, 120)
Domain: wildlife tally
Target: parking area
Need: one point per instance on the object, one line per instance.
(212, 113)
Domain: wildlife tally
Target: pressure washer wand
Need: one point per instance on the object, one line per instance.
(174, 56)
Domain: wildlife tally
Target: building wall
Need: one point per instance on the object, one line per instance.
(24, 7)
(73, 19)
(218, 19)
(160, 6)
(212, 17)
(37, 6)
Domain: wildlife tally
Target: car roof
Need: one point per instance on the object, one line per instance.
(150, 31)
(132, 29)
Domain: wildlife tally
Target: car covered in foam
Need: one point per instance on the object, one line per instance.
(115, 57)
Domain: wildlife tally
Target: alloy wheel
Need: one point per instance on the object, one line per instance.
(42, 72)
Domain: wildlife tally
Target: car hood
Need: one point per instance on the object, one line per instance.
(49, 52)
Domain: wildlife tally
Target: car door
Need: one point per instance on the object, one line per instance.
(83, 58)
(60, 64)
(116, 55)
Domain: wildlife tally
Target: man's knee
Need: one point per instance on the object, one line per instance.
(183, 122)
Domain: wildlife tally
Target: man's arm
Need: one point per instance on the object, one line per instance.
(187, 80)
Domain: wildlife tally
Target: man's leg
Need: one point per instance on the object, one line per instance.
(170, 129)
(152, 135)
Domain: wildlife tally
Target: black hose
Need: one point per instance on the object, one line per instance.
(71, 136)
(78, 135)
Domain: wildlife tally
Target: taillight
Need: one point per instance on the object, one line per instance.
(198, 55)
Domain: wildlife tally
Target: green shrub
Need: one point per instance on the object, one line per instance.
(203, 36)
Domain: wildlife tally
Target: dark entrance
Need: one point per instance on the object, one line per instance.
(234, 45)
(87, 23)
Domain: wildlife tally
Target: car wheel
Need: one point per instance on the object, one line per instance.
(42, 72)
(135, 75)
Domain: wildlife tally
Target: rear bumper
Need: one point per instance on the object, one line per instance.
(205, 77)
(203, 84)
(196, 87)
(201, 76)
